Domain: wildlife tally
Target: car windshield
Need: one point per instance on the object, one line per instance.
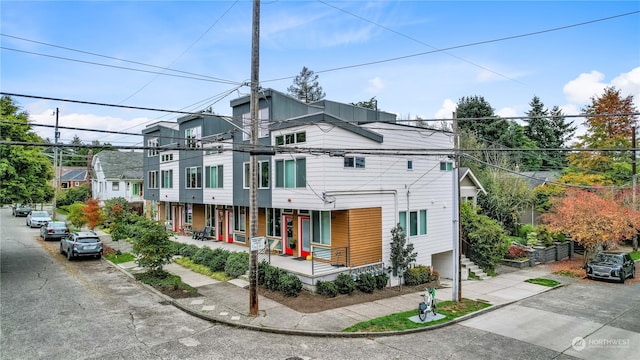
(57, 225)
(39, 214)
(88, 240)
(608, 258)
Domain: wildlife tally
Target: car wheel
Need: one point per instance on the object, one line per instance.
(61, 252)
(69, 255)
(97, 256)
(623, 276)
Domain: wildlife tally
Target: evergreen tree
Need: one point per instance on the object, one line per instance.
(402, 253)
(306, 87)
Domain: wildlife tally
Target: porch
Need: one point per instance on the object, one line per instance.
(322, 266)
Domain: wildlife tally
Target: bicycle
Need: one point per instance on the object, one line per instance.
(429, 303)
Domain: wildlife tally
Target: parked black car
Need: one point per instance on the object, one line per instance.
(612, 265)
(21, 210)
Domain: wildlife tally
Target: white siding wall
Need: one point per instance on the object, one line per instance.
(222, 196)
(385, 181)
(173, 193)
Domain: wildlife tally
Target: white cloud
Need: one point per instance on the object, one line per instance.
(507, 112)
(582, 89)
(446, 110)
(629, 84)
(90, 121)
(376, 85)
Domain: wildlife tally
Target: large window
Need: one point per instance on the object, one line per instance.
(167, 179)
(166, 157)
(274, 226)
(263, 124)
(213, 176)
(136, 189)
(192, 137)
(291, 138)
(417, 222)
(152, 176)
(240, 217)
(263, 175)
(291, 173)
(193, 177)
(153, 147)
(354, 162)
(321, 225)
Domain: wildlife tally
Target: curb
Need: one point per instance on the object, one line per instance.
(328, 334)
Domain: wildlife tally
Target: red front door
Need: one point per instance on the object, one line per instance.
(304, 234)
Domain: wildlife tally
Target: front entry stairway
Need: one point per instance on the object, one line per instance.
(466, 263)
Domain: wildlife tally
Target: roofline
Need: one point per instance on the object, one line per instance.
(305, 120)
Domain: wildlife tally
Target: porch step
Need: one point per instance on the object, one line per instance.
(467, 263)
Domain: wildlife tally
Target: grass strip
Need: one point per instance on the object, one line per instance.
(201, 269)
(543, 282)
(401, 321)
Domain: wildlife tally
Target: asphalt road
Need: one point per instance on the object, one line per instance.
(54, 309)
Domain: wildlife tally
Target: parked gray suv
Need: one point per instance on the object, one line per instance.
(81, 244)
(613, 265)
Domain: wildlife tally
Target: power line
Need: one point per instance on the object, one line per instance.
(197, 77)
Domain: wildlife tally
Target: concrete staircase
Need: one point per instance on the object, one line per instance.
(468, 264)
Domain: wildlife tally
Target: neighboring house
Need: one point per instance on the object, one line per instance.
(72, 177)
(470, 187)
(118, 174)
(535, 179)
(341, 178)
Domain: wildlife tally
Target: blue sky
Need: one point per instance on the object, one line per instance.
(211, 40)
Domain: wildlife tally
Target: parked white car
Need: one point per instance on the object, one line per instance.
(38, 218)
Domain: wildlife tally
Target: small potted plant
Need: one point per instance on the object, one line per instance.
(292, 243)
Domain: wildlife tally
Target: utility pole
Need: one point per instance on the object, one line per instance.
(253, 165)
(56, 135)
(457, 240)
(635, 181)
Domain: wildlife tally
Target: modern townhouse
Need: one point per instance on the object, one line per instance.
(341, 178)
(118, 174)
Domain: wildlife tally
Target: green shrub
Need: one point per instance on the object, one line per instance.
(290, 285)
(326, 288)
(524, 230)
(237, 264)
(417, 275)
(186, 250)
(218, 259)
(345, 284)
(366, 283)
(381, 281)
(262, 269)
(272, 278)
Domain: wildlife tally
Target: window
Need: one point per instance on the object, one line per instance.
(136, 189)
(213, 176)
(292, 138)
(409, 164)
(354, 161)
(115, 186)
(193, 177)
(446, 166)
(193, 137)
(321, 227)
(153, 147)
(274, 218)
(167, 179)
(240, 217)
(263, 124)
(291, 173)
(153, 179)
(263, 175)
(166, 157)
(417, 222)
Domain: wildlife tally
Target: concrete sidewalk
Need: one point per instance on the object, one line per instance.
(228, 302)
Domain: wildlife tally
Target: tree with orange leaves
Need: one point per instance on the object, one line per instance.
(93, 213)
(593, 219)
(610, 126)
